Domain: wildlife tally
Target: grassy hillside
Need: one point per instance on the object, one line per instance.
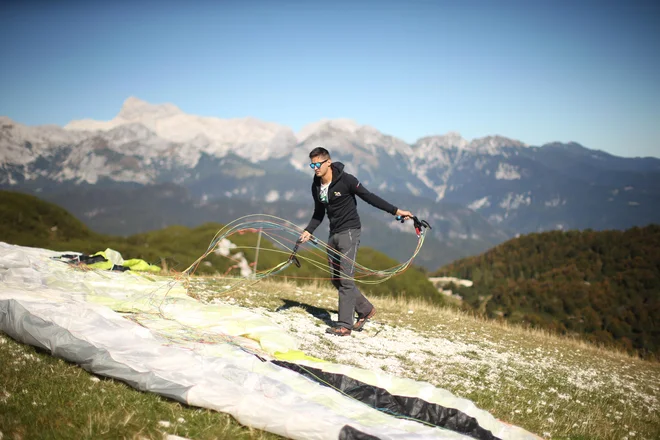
(605, 285)
(26, 220)
(29, 221)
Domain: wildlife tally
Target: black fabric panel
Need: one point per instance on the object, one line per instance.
(90, 259)
(350, 433)
(87, 259)
(398, 406)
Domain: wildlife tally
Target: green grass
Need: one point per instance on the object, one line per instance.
(45, 397)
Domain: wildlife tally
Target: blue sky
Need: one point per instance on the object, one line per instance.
(533, 70)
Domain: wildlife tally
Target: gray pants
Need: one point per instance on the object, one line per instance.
(351, 299)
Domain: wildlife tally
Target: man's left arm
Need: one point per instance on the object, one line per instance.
(359, 190)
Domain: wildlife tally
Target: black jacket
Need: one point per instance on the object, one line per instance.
(342, 206)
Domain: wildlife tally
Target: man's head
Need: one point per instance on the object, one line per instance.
(320, 161)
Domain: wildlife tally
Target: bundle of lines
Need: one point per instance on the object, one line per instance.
(284, 236)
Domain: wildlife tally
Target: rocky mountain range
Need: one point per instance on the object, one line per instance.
(477, 193)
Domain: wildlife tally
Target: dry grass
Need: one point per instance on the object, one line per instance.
(554, 386)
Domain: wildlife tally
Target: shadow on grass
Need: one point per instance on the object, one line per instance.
(317, 312)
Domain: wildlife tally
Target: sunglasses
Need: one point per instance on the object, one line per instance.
(317, 165)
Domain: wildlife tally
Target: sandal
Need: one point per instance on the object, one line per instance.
(363, 320)
(338, 331)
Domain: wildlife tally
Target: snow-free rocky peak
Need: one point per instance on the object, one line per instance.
(337, 125)
(348, 137)
(248, 137)
(134, 109)
(493, 144)
(21, 144)
(426, 146)
(429, 145)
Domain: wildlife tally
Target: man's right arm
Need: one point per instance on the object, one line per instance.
(317, 217)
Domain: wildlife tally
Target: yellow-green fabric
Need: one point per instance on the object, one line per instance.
(114, 258)
(141, 265)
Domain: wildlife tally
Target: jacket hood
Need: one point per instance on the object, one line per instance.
(337, 171)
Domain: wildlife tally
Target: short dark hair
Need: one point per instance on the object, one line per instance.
(319, 151)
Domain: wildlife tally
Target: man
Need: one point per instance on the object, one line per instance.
(334, 192)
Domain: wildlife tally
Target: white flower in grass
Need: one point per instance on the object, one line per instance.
(94, 379)
(164, 423)
(547, 435)
(551, 420)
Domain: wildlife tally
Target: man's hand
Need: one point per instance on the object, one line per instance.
(305, 236)
(405, 214)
